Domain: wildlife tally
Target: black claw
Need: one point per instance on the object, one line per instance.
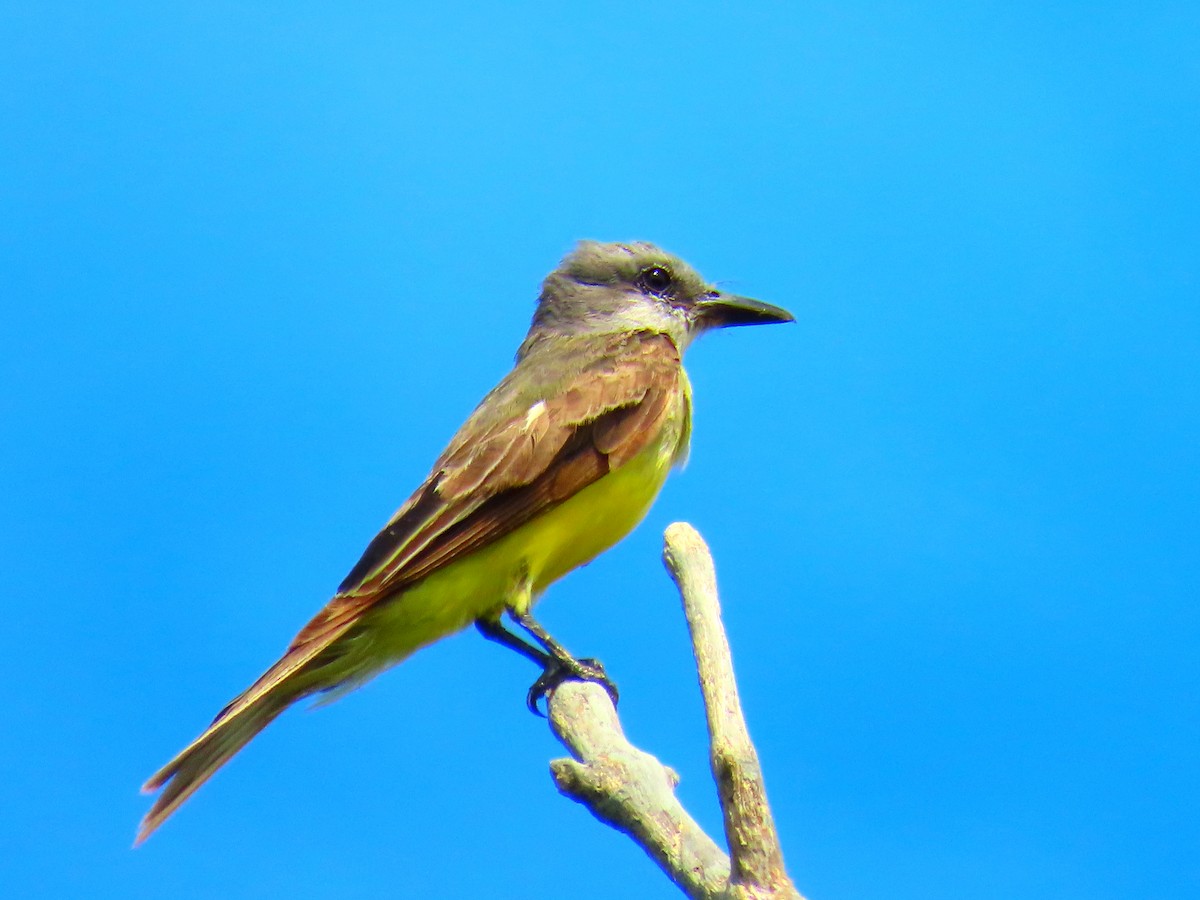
(539, 689)
(557, 671)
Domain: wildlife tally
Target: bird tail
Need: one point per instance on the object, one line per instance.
(313, 663)
(230, 731)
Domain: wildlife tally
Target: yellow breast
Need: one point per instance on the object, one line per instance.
(539, 553)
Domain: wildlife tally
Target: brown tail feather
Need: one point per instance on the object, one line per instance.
(201, 759)
(248, 714)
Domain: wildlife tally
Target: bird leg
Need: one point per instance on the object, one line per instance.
(560, 665)
(557, 664)
(493, 629)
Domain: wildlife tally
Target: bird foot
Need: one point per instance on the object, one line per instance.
(559, 670)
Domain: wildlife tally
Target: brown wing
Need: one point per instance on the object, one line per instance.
(545, 433)
(502, 470)
(510, 462)
(553, 427)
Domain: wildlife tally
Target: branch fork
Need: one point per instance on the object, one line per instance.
(632, 791)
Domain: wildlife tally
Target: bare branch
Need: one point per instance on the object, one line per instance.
(757, 858)
(633, 792)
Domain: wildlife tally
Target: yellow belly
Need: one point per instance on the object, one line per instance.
(542, 551)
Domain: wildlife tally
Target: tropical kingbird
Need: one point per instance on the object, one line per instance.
(559, 462)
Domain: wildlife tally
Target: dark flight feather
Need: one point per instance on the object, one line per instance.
(550, 429)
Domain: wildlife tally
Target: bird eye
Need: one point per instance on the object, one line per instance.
(656, 279)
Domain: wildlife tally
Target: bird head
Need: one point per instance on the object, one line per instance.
(605, 288)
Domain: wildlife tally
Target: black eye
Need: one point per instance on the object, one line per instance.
(656, 279)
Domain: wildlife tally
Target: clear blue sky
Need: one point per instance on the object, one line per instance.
(257, 262)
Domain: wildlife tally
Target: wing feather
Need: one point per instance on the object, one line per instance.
(516, 457)
(493, 479)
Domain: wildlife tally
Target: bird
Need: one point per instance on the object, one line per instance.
(558, 462)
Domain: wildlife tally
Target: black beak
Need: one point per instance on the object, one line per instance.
(719, 310)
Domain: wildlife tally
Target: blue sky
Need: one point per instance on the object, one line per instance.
(259, 261)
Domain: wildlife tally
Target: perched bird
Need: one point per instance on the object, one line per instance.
(559, 462)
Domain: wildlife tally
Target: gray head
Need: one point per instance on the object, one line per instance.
(601, 288)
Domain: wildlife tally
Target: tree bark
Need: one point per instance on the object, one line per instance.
(633, 792)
